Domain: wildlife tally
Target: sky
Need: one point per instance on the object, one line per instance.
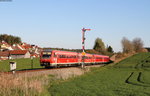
(58, 23)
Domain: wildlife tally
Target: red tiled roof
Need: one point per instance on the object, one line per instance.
(22, 46)
(27, 46)
(15, 47)
(4, 54)
(20, 52)
(35, 55)
(5, 43)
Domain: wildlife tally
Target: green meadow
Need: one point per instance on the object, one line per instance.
(130, 77)
(22, 64)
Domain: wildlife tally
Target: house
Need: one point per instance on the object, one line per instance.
(16, 54)
(26, 46)
(5, 46)
(34, 55)
(4, 55)
(16, 51)
(17, 47)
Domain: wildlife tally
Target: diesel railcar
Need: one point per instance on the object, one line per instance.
(54, 58)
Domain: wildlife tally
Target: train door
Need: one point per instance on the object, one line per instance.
(55, 58)
(93, 58)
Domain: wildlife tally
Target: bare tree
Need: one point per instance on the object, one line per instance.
(138, 44)
(127, 45)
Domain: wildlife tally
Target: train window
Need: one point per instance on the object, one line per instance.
(45, 56)
(86, 57)
(71, 56)
(59, 56)
(98, 58)
(63, 56)
(68, 56)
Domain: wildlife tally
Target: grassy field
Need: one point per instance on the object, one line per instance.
(22, 64)
(130, 77)
(23, 85)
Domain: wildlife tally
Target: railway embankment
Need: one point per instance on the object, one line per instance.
(60, 73)
(34, 82)
(120, 56)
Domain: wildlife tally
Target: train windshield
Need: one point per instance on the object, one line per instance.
(46, 55)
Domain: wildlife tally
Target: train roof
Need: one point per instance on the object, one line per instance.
(47, 50)
(64, 52)
(100, 55)
(71, 52)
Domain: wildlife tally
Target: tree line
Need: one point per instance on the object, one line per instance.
(134, 46)
(10, 39)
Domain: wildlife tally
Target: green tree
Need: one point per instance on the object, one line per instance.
(110, 49)
(10, 39)
(99, 45)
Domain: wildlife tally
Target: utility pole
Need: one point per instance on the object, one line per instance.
(83, 46)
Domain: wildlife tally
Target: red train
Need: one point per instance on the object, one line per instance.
(54, 58)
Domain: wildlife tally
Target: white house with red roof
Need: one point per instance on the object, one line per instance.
(5, 46)
(16, 51)
(15, 54)
(4, 55)
(26, 46)
(17, 47)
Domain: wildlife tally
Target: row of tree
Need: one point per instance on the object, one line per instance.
(10, 39)
(134, 46)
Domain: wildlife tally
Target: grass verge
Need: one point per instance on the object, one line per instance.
(22, 64)
(24, 85)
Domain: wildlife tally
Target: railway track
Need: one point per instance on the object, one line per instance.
(48, 69)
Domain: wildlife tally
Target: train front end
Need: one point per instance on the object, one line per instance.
(45, 58)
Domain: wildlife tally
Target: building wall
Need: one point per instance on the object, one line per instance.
(16, 56)
(3, 58)
(27, 55)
